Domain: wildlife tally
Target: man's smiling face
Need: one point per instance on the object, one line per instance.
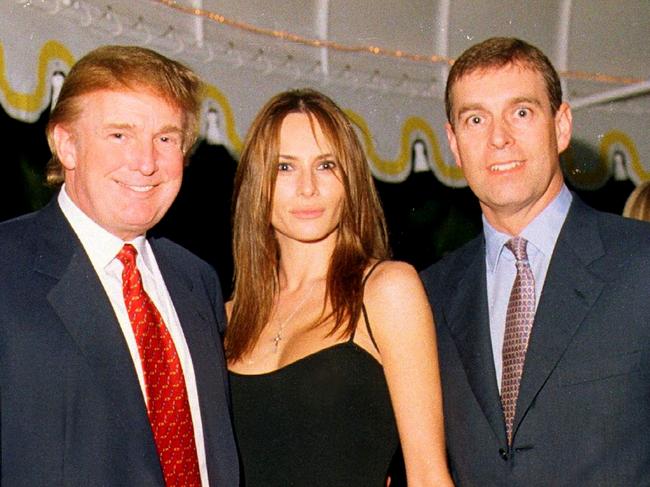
(507, 141)
(123, 158)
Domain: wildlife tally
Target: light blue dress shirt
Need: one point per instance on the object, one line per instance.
(541, 235)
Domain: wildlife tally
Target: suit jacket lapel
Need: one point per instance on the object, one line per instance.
(468, 319)
(194, 313)
(82, 305)
(570, 290)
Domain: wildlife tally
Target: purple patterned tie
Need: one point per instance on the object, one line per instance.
(519, 321)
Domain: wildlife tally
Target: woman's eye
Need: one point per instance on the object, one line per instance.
(284, 166)
(327, 165)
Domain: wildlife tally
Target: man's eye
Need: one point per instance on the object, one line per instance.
(169, 139)
(475, 120)
(523, 112)
(117, 135)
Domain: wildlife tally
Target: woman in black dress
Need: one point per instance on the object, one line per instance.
(331, 346)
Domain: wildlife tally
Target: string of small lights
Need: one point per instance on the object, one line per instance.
(297, 39)
(367, 49)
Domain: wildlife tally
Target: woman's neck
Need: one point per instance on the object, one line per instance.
(303, 263)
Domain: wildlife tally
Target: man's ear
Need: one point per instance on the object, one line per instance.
(64, 144)
(453, 143)
(563, 127)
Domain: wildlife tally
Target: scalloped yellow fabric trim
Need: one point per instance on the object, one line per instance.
(400, 164)
(215, 94)
(618, 137)
(51, 50)
(32, 102)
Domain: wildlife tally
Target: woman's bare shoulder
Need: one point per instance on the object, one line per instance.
(392, 278)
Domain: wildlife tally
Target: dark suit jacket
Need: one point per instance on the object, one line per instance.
(72, 408)
(583, 412)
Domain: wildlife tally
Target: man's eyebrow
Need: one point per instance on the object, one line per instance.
(170, 128)
(469, 108)
(128, 126)
(117, 125)
(526, 99)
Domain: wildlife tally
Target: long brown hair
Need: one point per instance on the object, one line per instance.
(361, 233)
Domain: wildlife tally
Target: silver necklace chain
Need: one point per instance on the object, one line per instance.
(278, 336)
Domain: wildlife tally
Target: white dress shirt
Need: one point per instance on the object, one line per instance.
(102, 248)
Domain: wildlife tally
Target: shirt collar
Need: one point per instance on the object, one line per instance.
(541, 233)
(100, 245)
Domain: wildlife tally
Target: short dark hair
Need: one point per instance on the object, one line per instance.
(498, 52)
(130, 68)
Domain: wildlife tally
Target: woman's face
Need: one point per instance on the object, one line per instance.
(308, 193)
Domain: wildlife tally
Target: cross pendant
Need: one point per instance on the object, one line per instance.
(276, 341)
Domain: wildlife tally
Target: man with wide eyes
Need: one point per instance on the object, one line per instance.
(110, 342)
(543, 320)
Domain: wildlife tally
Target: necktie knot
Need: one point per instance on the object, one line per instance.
(127, 255)
(517, 245)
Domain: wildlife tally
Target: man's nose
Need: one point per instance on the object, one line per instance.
(500, 134)
(145, 158)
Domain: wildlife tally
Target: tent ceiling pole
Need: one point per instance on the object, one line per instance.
(199, 35)
(441, 23)
(322, 28)
(611, 95)
(562, 45)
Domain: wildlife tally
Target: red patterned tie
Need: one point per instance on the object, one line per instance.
(519, 321)
(167, 404)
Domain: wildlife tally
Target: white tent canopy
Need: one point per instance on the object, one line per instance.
(385, 61)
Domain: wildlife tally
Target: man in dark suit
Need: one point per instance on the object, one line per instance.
(544, 320)
(111, 365)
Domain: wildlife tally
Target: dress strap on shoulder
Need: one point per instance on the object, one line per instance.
(372, 269)
(365, 320)
(363, 306)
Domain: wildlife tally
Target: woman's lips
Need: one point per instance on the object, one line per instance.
(308, 213)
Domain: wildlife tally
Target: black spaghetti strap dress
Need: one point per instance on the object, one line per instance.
(324, 420)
